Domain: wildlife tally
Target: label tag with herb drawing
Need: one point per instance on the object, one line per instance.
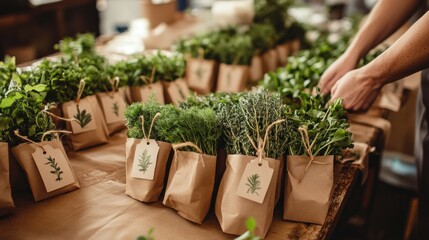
(113, 108)
(145, 158)
(200, 73)
(53, 168)
(178, 91)
(153, 88)
(82, 112)
(255, 181)
(231, 78)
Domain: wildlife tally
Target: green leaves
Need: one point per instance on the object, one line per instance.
(250, 225)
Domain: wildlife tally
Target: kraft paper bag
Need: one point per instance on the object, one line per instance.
(97, 133)
(6, 201)
(308, 200)
(143, 93)
(232, 210)
(201, 74)
(113, 107)
(283, 52)
(269, 59)
(232, 78)
(151, 11)
(176, 91)
(190, 185)
(296, 46)
(256, 69)
(279, 183)
(143, 189)
(23, 154)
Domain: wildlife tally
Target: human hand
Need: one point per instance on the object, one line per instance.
(358, 89)
(338, 69)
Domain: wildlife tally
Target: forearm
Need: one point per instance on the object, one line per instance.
(385, 18)
(409, 54)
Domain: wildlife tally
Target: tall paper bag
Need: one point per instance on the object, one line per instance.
(6, 201)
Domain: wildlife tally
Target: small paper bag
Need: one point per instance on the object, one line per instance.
(24, 154)
(6, 201)
(113, 106)
(256, 69)
(143, 93)
(308, 191)
(200, 75)
(190, 185)
(269, 59)
(91, 129)
(146, 190)
(232, 78)
(233, 210)
(176, 91)
(283, 52)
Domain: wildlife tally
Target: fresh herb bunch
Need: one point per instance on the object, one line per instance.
(214, 101)
(251, 116)
(167, 67)
(134, 124)
(20, 109)
(237, 49)
(327, 128)
(83, 45)
(62, 79)
(7, 73)
(200, 46)
(134, 72)
(263, 37)
(197, 125)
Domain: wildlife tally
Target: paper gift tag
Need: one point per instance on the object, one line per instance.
(53, 168)
(154, 88)
(231, 78)
(178, 91)
(113, 108)
(82, 112)
(255, 181)
(200, 73)
(145, 158)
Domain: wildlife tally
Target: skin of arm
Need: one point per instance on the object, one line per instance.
(386, 17)
(409, 54)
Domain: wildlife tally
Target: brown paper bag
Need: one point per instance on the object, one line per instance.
(176, 91)
(142, 189)
(279, 184)
(308, 200)
(256, 69)
(23, 154)
(113, 107)
(269, 59)
(232, 210)
(190, 185)
(98, 134)
(200, 75)
(296, 46)
(6, 201)
(283, 52)
(232, 78)
(143, 93)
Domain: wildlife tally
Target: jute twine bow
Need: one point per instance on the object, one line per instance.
(80, 90)
(149, 80)
(308, 148)
(16, 132)
(114, 83)
(186, 144)
(260, 149)
(147, 137)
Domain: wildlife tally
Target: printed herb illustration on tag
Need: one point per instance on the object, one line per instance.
(144, 161)
(199, 73)
(115, 108)
(182, 95)
(82, 117)
(253, 182)
(57, 170)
